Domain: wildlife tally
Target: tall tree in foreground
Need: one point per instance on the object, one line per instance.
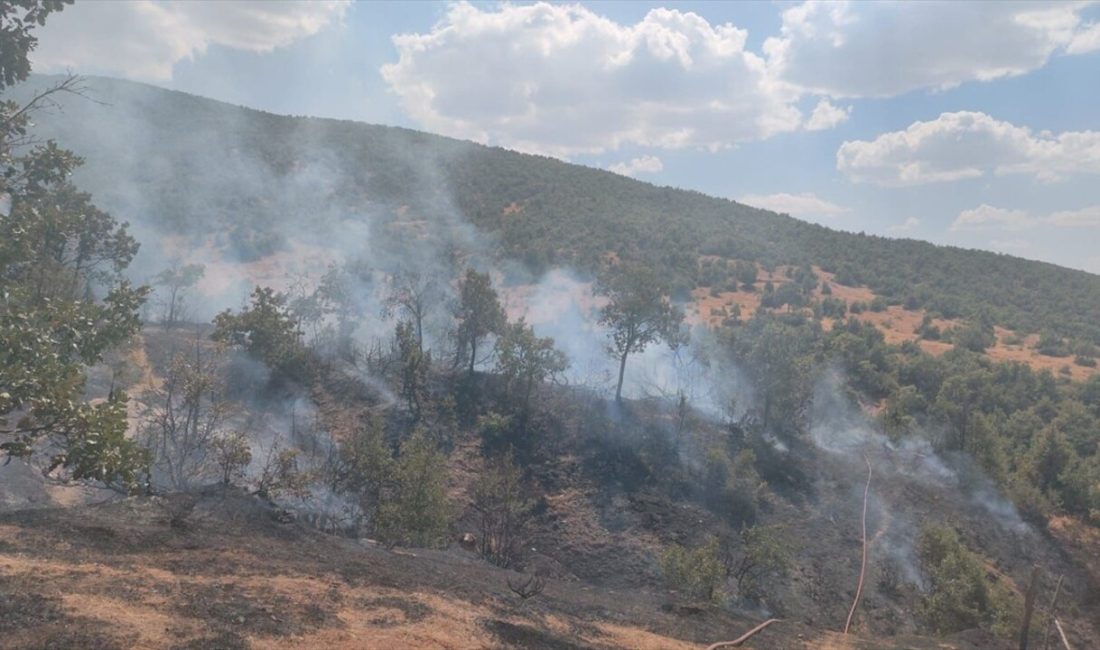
(479, 314)
(637, 314)
(57, 253)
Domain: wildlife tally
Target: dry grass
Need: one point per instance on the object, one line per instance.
(897, 324)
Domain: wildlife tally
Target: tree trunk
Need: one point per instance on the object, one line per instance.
(473, 354)
(1029, 607)
(622, 371)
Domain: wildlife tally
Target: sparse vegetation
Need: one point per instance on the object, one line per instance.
(502, 511)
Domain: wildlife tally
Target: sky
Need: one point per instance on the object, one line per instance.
(968, 124)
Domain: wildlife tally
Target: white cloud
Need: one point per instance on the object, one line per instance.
(988, 216)
(882, 49)
(796, 205)
(562, 80)
(963, 145)
(144, 39)
(908, 225)
(1086, 40)
(1084, 218)
(826, 116)
(642, 165)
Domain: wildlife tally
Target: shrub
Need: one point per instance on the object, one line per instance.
(762, 552)
(418, 513)
(696, 572)
(1052, 345)
(232, 455)
(959, 597)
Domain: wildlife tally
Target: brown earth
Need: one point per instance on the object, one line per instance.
(897, 324)
(122, 576)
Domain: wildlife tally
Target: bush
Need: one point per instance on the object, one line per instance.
(959, 597)
(698, 572)
(1052, 345)
(729, 486)
(763, 552)
(417, 514)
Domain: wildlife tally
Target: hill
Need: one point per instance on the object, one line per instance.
(364, 377)
(177, 164)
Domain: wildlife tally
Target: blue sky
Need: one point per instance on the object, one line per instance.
(966, 124)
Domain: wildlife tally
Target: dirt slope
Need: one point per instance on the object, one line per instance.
(229, 575)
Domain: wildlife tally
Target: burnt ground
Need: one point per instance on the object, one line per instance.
(120, 575)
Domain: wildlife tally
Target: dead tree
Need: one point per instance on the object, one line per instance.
(529, 588)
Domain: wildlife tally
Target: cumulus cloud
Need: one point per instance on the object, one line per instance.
(144, 39)
(562, 80)
(1084, 218)
(641, 165)
(988, 216)
(963, 145)
(826, 116)
(1086, 40)
(882, 49)
(797, 205)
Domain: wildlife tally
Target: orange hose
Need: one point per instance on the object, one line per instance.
(744, 637)
(863, 563)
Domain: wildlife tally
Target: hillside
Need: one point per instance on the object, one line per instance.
(232, 577)
(382, 373)
(176, 164)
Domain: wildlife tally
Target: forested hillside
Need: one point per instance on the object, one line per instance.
(187, 164)
(461, 371)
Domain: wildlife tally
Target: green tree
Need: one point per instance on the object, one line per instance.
(762, 551)
(479, 314)
(696, 572)
(266, 330)
(959, 597)
(779, 359)
(232, 454)
(57, 253)
(746, 274)
(368, 465)
(637, 314)
(525, 361)
(414, 365)
(417, 513)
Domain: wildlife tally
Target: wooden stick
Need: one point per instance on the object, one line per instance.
(1050, 612)
(1062, 633)
(1029, 607)
(863, 562)
(744, 637)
